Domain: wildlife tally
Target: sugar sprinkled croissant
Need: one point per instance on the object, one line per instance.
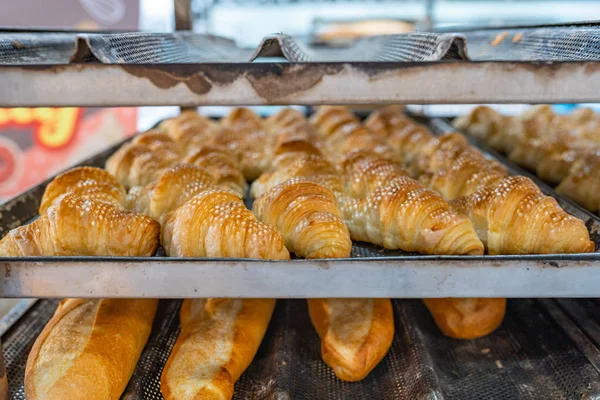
(583, 182)
(222, 165)
(216, 223)
(156, 140)
(465, 175)
(364, 173)
(404, 215)
(307, 215)
(515, 217)
(86, 182)
(74, 225)
(190, 130)
(172, 189)
(137, 164)
(330, 121)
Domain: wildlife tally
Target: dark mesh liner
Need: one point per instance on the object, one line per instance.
(528, 357)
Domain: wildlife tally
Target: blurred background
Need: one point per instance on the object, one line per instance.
(38, 143)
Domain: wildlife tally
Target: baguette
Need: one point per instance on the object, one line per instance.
(89, 349)
(355, 333)
(218, 340)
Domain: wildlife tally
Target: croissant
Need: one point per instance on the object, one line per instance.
(330, 121)
(583, 182)
(218, 340)
(308, 217)
(355, 333)
(515, 217)
(246, 137)
(86, 182)
(386, 120)
(157, 139)
(190, 130)
(289, 124)
(222, 165)
(173, 188)
(364, 173)
(441, 151)
(482, 122)
(360, 138)
(294, 165)
(215, 223)
(136, 164)
(467, 318)
(404, 215)
(466, 174)
(74, 225)
(409, 141)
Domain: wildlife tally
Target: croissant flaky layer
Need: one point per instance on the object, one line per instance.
(216, 223)
(404, 215)
(307, 215)
(85, 182)
(515, 217)
(85, 227)
(173, 188)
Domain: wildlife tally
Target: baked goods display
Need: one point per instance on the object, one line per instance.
(317, 185)
(563, 150)
(509, 214)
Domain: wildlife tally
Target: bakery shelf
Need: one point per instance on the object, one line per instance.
(371, 272)
(298, 83)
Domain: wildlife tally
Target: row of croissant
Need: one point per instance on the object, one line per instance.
(317, 184)
(563, 150)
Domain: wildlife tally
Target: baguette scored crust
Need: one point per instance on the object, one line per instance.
(218, 340)
(89, 349)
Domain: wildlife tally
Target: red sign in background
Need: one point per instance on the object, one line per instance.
(38, 143)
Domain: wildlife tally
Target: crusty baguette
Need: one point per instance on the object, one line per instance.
(467, 318)
(218, 340)
(89, 349)
(355, 333)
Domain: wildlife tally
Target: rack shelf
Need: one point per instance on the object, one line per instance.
(439, 82)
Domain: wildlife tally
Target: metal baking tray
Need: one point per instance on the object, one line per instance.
(544, 349)
(370, 272)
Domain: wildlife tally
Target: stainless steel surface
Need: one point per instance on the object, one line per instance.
(405, 277)
(285, 83)
(532, 355)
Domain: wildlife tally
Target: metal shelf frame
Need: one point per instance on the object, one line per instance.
(282, 83)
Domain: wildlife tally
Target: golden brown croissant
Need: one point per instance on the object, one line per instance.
(85, 227)
(190, 130)
(363, 173)
(330, 121)
(247, 137)
(441, 151)
(222, 165)
(466, 174)
(467, 318)
(86, 182)
(409, 141)
(308, 217)
(355, 333)
(361, 139)
(482, 122)
(218, 340)
(582, 185)
(157, 139)
(173, 188)
(89, 349)
(137, 164)
(404, 215)
(289, 124)
(515, 217)
(387, 120)
(294, 165)
(215, 223)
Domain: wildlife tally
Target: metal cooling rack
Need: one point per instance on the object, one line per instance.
(370, 272)
(538, 352)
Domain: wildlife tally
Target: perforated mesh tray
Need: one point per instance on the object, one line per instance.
(539, 352)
